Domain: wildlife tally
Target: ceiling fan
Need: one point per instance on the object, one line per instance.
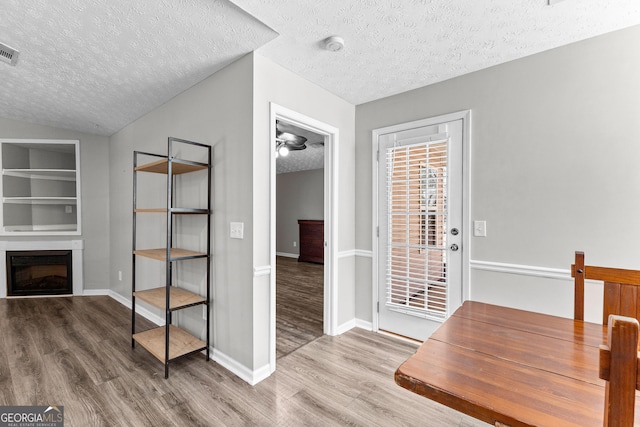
(287, 141)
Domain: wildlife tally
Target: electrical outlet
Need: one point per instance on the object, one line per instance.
(295, 243)
(120, 275)
(68, 209)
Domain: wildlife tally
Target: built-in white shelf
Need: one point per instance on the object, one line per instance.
(41, 227)
(40, 187)
(51, 174)
(40, 200)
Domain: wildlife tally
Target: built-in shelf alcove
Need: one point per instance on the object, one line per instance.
(39, 187)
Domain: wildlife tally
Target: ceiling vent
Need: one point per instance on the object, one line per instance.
(8, 55)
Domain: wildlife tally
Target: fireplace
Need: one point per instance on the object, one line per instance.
(32, 273)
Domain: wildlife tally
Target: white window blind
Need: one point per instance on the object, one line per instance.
(416, 278)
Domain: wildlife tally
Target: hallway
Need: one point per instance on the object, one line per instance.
(299, 304)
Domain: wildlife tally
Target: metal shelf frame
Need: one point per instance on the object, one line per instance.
(171, 166)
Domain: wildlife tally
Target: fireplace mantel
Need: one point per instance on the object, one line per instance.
(76, 246)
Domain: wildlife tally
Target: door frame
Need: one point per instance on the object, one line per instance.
(465, 116)
(331, 139)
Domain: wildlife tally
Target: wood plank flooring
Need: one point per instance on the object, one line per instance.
(76, 352)
(299, 304)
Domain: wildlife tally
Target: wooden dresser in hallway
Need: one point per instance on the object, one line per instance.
(311, 240)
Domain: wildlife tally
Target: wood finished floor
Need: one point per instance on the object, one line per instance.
(76, 352)
(299, 304)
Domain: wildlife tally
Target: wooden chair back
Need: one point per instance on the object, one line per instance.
(621, 295)
(619, 368)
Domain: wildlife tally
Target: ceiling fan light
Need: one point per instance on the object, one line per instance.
(283, 151)
(287, 136)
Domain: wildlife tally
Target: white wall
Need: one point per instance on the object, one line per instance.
(94, 178)
(554, 167)
(299, 195)
(273, 83)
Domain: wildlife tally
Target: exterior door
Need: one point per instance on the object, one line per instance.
(420, 230)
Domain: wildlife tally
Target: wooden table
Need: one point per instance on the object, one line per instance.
(512, 367)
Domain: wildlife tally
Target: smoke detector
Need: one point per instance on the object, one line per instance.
(8, 54)
(334, 43)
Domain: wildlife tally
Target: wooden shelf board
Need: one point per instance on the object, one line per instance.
(150, 210)
(178, 298)
(46, 174)
(161, 254)
(177, 167)
(180, 342)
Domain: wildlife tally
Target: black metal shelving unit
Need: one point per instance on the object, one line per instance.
(169, 342)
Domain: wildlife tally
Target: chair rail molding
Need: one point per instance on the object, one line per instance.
(262, 270)
(364, 253)
(522, 270)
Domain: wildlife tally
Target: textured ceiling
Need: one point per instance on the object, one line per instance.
(392, 46)
(97, 65)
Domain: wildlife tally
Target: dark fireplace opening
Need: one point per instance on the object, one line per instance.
(39, 273)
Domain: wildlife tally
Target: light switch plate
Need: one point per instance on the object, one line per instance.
(480, 228)
(236, 230)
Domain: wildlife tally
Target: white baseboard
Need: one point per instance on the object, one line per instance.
(139, 309)
(244, 373)
(346, 326)
(363, 324)
(287, 255)
(95, 292)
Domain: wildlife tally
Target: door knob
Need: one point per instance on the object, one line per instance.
(454, 247)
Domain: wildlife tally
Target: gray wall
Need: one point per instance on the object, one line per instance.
(94, 176)
(299, 195)
(554, 166)
(217, 112)
(230, 111)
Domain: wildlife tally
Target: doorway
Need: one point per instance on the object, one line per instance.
(283, 120)
(299, 237)
(421, 256)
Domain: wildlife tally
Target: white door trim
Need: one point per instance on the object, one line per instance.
(465, 116)
(331, 140)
